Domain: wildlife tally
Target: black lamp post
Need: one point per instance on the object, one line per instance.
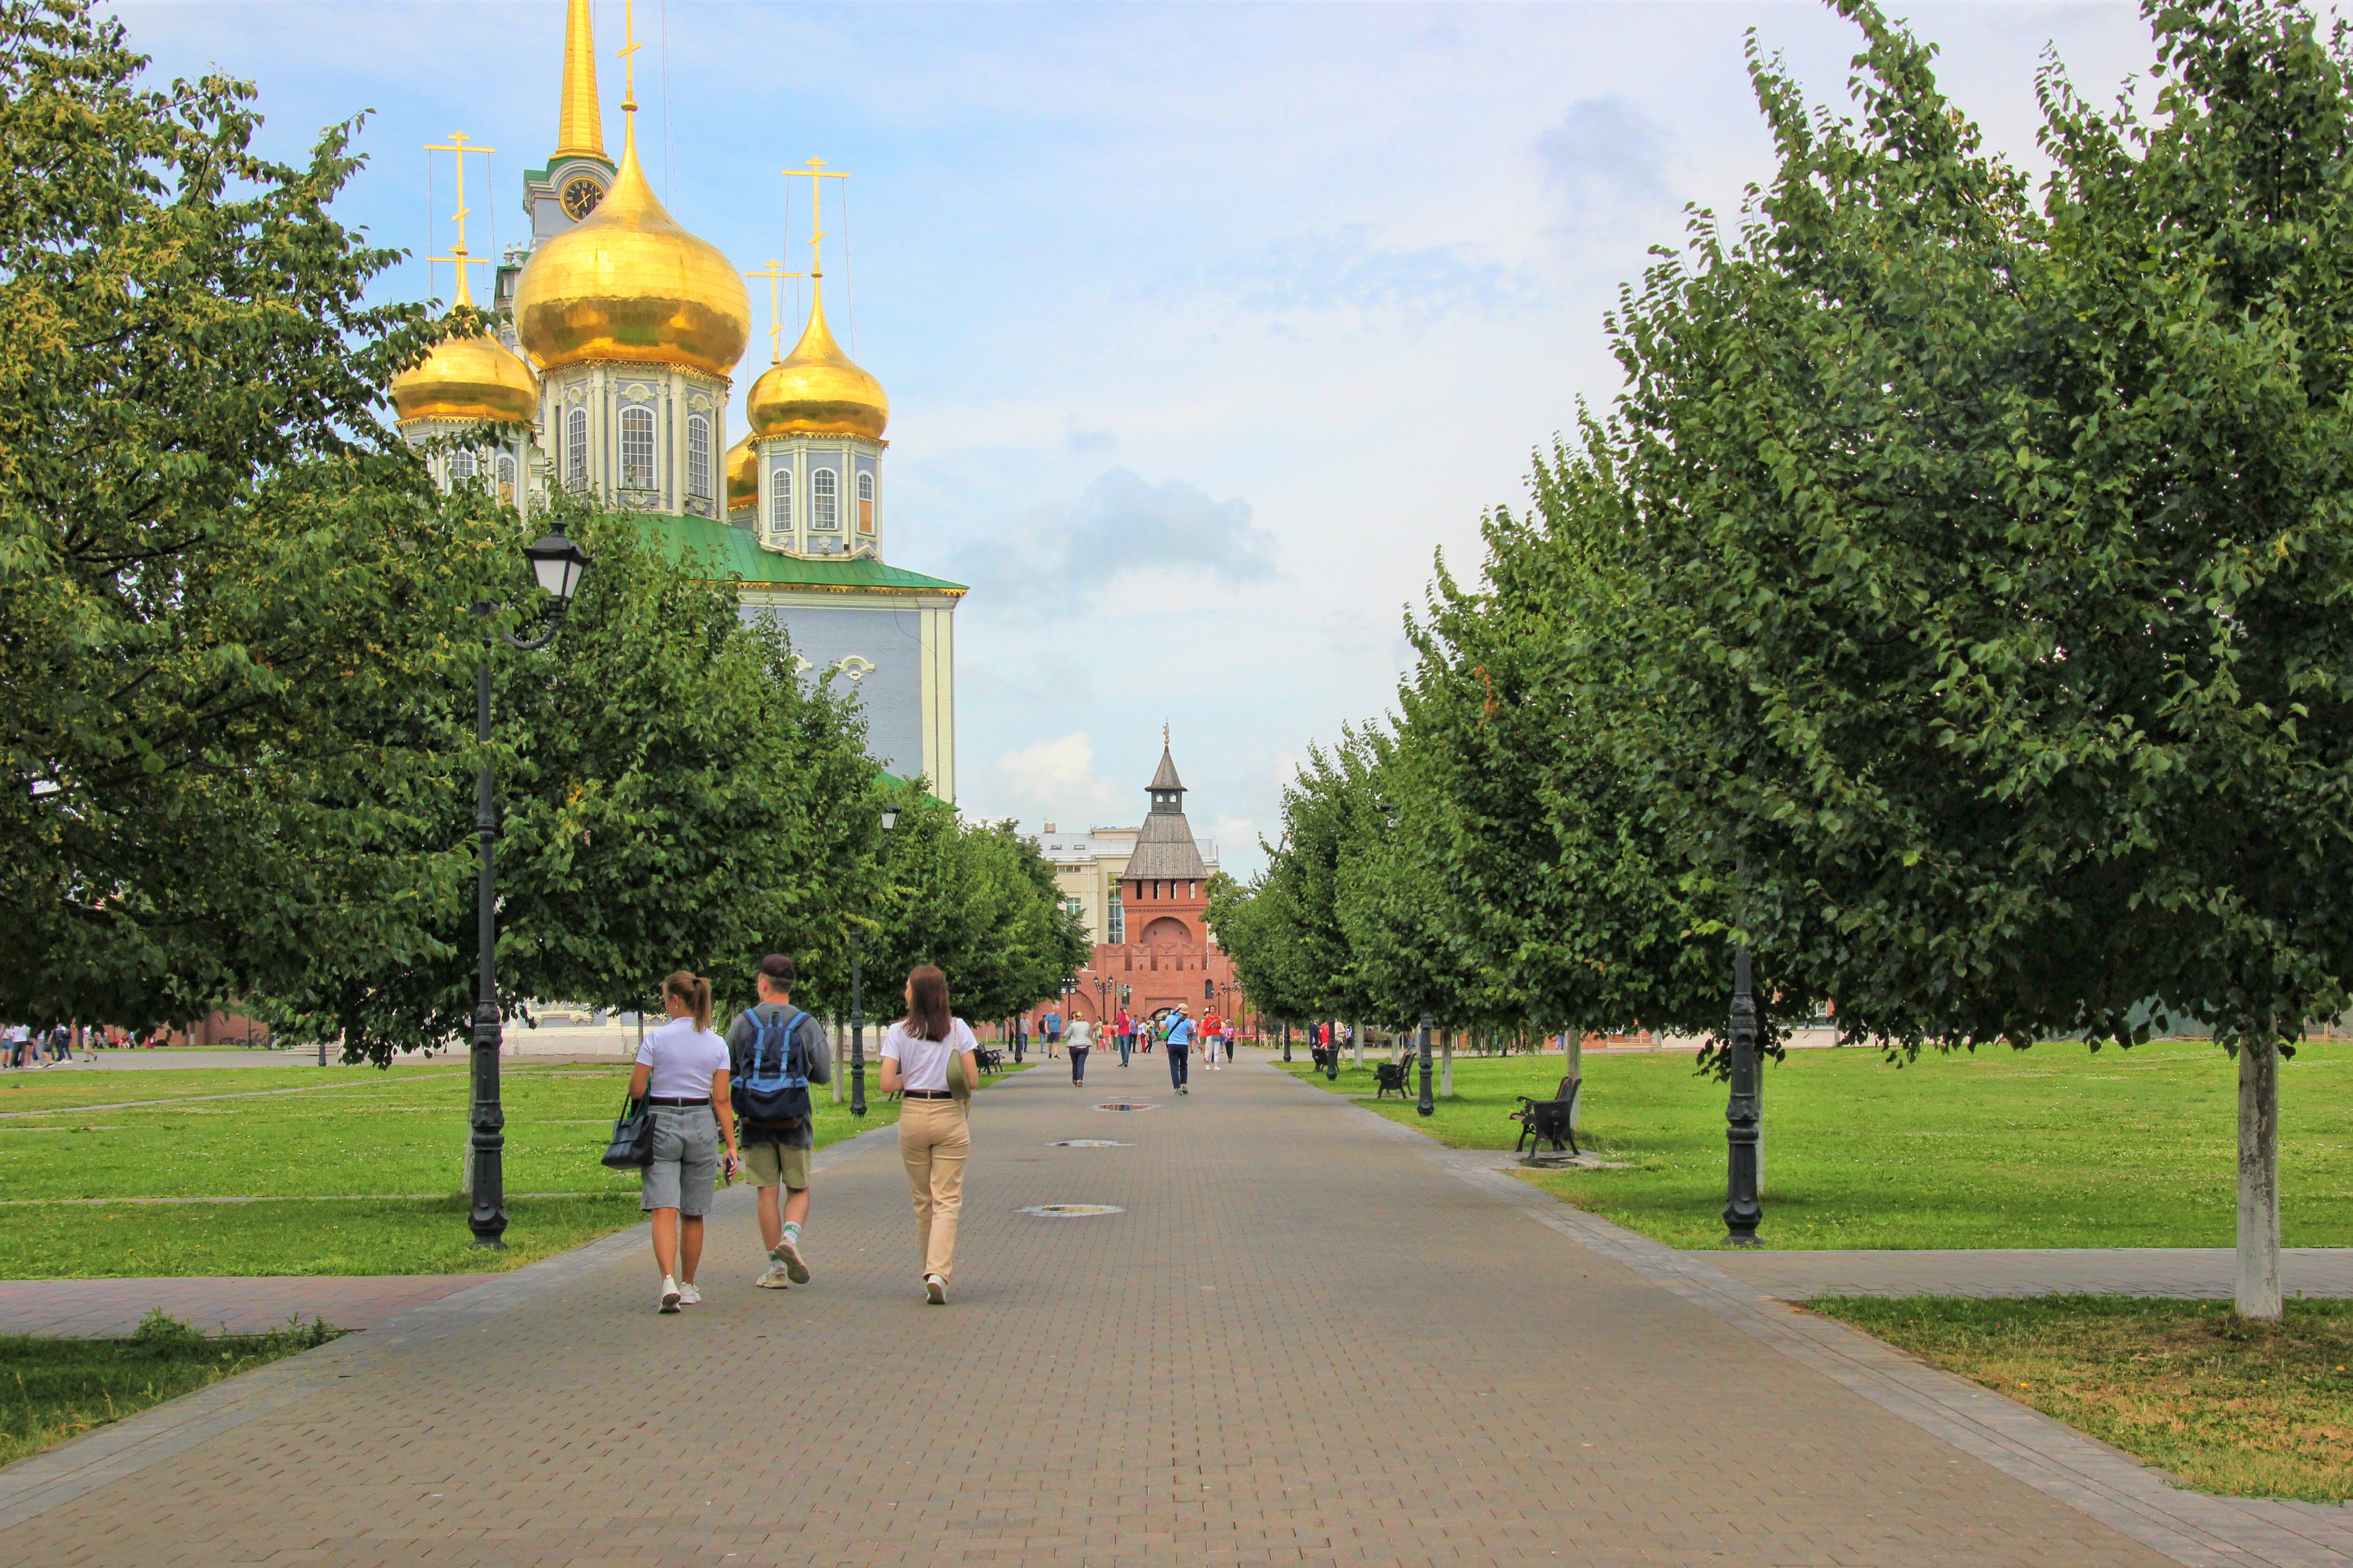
(1743, 1211)
(1428, 1104)
(556, 566)
(858, 1000)
(1286, 1041)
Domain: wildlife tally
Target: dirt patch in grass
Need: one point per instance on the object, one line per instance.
(55, 1390)
(2231, 1406)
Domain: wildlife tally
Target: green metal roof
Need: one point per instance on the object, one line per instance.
(732, 553)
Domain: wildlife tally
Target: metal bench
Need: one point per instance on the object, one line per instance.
(1388, 1076)
(1550, 1121)
(988, 1059)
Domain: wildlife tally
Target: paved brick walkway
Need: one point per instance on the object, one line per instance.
(2196, 1272)
(107, 1309)
(1306, 1340)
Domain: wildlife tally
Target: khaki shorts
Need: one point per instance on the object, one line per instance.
(773, 1165)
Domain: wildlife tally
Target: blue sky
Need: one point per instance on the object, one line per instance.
(1204, 325)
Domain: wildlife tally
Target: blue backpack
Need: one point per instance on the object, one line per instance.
(771, 1094)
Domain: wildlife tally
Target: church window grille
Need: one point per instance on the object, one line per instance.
(698, 456)
(866, 503)
(780, 499)
(462, 464)
(823, 515)
(575, 446)
(637, 448)
(506, 478)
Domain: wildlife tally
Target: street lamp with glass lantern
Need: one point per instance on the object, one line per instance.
(557, 566)
(858, 998)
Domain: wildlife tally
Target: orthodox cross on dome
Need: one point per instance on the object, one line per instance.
(817, 173)
(775, 274)
(460, 144)
(628, 53)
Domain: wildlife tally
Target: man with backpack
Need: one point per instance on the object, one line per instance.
(775, 1051)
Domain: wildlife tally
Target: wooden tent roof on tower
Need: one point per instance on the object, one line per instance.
(1164, 846)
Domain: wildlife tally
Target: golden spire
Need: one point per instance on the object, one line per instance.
(628, 283)
(775, 274)
(817, 389)
(579, 126)
(459, 254)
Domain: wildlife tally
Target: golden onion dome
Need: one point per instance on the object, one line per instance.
(743, 475)
(469, 378)
(817, 390)
(628, 283)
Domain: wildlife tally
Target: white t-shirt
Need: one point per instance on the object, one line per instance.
(683, 1059)
(1082, 1035)
(923, 1063)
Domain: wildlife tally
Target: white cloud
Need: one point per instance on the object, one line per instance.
(1120, 526)
(1055, 781)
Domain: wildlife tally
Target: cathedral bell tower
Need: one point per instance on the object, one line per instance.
(634, 325)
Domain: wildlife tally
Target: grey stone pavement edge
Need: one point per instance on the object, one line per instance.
(1107, 1381)
(2190, 1272)
(1748, 1291)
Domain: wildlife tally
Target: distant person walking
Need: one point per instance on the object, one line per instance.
(682, 1074)
(1052, 1026)
(1180, 1041)
(775, 1051)
(1212, 1036)
(933, 1138)
(1126, 1035)
(1083, 1040)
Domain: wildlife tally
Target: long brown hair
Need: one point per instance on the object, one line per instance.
(694, 991)
(927, 1004)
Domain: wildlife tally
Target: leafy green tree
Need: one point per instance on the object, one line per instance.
(672, 796)
(979, 900)
(219, 573)
(1989, 663)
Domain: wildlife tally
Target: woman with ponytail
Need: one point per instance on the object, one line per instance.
(930, 1057)
(683, 1076)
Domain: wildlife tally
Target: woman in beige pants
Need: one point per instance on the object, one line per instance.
(932, 1139)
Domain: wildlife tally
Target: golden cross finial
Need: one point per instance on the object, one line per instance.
(1163, 734)
(460, 144)
(629, 52)
(815, 174)
(775, 274)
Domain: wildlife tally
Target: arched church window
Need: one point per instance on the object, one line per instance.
(698, 456)
(824, 511)
(506, 478)
(866, 503)
(462, 465)
(780, 499)
(575, 446)
(637, 448)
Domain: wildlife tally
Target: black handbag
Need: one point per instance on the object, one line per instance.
(632, 1147)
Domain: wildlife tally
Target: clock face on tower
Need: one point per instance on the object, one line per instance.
(580, 196)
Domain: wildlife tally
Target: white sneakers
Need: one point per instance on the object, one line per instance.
(776, 1279)
(670, 1296)
(788, 1253)
(688, 1296)
(935, 1291)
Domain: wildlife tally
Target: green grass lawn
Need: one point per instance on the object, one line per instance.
(2052, 1147)
(2230, 1406)
(52, 1390)
(395, 1138)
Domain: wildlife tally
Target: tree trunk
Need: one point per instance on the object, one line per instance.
(1572, 1061)
(1356, 1039)
(1446, 1062)
(2258, 1292)
(839, 1040)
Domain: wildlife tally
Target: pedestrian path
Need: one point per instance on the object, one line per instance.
(1304, 1335)
(2198, 1273)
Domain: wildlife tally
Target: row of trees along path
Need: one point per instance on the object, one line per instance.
(1951, 610)
(237, 644)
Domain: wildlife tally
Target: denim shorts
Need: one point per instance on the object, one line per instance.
(686, 1160)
